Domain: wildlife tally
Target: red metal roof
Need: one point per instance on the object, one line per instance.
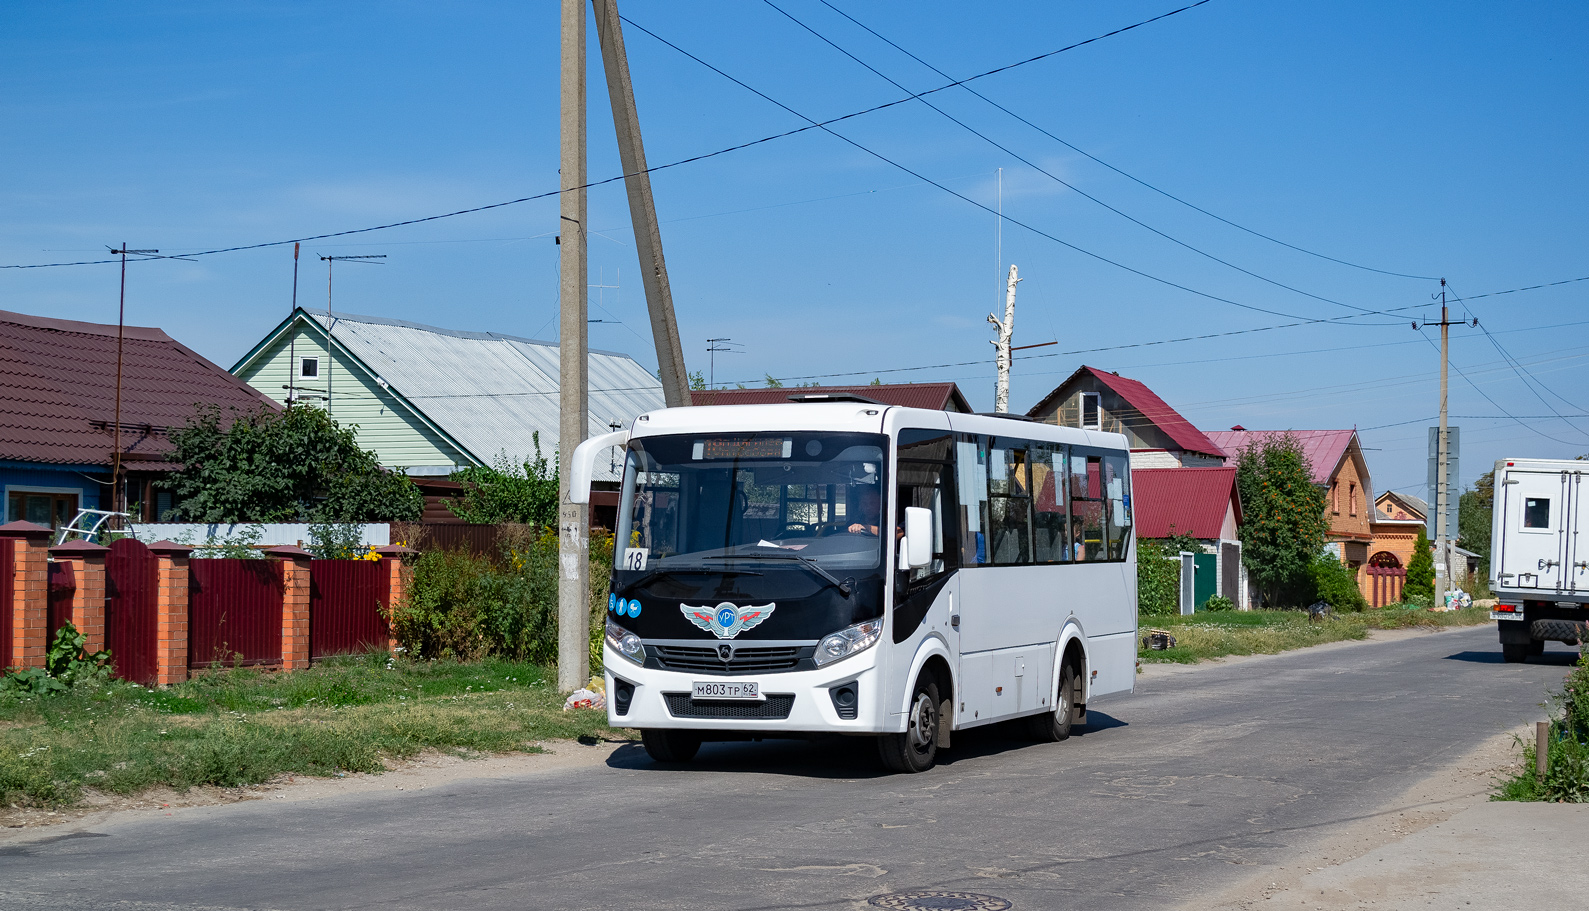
(1324, 448)
(1152, 407)
(58, 390)
(935, 396)
(1190, 501)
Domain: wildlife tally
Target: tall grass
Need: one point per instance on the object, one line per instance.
(1567, 758)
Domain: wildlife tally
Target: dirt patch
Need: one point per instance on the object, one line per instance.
(428, 770)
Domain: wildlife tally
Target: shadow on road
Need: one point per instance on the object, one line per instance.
(1549, 658)
(835, 757)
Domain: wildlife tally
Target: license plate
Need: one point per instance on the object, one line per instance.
(1505, 615)
(749, 692)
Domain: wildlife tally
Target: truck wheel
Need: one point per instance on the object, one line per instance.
(670, 746)
(1536, 647)
(1515, 654)
(917, 748)
(1052, 727)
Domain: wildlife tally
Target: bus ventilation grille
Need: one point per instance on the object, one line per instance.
(745, 660)
(775, 708)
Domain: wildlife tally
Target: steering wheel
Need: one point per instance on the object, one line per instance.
(823, 529)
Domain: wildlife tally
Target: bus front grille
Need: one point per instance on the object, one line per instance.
(746, 660)
(776, 707)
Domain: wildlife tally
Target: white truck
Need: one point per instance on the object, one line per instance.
(1539, 570)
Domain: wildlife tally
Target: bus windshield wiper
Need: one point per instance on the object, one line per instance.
(843, 586)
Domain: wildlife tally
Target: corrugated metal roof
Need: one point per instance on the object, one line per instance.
(1145, 401)
(1324, 448)
(1192, 501)
(491, 392)
(934, 396)
(58, 391)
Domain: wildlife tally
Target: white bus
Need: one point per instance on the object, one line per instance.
(848, 567)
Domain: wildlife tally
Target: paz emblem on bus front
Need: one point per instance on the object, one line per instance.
(725, 621)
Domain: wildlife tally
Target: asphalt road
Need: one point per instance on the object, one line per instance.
(1180, 788)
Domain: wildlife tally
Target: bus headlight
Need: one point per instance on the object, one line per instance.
(625, 643)
(848, 641)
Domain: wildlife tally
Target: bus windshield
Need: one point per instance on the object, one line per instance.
(701, 501)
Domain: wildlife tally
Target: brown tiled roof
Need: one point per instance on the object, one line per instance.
(58, 390)
(936, 396)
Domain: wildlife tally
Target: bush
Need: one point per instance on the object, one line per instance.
(338, 542)
(1159, 574)
(1219, 603)
(1567, 762)
(465, 607)
(1335, 583)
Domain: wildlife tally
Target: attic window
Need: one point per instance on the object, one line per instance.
(310, 368)
(1091, 414)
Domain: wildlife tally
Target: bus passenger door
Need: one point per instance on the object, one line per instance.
(926, 599)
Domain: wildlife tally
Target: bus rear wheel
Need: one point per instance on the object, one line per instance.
(1055, 726)
(917, 748)
(670, 746)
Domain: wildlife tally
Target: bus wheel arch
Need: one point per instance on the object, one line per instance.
(938, 665)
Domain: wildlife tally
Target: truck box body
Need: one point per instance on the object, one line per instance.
(1539, 568)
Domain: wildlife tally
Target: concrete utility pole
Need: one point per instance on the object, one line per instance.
(573, 579)
(1001, 392)
(1441, 495)
(642, 208)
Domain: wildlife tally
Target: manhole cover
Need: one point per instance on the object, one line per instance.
(939, 901)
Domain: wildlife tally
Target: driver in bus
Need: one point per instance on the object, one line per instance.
(870, 506)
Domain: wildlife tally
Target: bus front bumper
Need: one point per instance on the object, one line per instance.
(792, 701)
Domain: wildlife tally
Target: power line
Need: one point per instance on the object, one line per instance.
(983, 206)
(1497, 405)
(811, 125)
(1111, 167)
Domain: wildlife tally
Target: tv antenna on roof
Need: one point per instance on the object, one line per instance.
(117, 494)
(714, 345)
(372, 259)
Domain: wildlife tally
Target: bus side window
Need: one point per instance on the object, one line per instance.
(921, 484)
(1010, 503)
(1050, 522)
(1117, 491)
(1086, 507)
(971, 480)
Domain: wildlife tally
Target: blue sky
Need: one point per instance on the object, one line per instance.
(1432, 139)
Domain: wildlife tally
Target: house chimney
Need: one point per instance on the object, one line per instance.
(1238, 427)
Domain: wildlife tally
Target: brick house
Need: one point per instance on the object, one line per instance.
(1336, 458)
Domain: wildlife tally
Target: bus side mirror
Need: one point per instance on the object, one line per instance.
(917, 546)
(584, 466)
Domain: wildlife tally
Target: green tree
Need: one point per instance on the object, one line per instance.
(1159, 573)
(506, 492)
(697, 380)
(1420, 570)
(773, 382)
(295, 465)
(1283, 515)
(1475, 510)
(1335, 583)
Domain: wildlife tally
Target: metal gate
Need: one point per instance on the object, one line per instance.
(345, 600)
(63, 589)
(234, 612)
(1385, 584)
(1207, 581)
(7, 589)
(132, 582)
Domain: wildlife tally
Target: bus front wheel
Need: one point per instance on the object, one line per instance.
(917, 748)
(670, 746)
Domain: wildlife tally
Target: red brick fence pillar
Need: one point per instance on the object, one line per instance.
(394, 560)
(88, 601)
(171, 612)
(294, 605)
(30, 594)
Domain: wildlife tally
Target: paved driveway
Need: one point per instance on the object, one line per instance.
(1185, 786)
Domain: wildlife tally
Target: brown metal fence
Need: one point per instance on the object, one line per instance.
(345, 601)
(1385, 584)
(477, 540)
(7, 590)
(132, 581)
(234, 612)
(62, 589)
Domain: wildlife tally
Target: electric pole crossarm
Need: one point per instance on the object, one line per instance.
(642, 207)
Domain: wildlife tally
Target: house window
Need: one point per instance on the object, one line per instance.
(310, 368)
(1335, 497)
(50, 509)
(1091, 414)
(1351, 497)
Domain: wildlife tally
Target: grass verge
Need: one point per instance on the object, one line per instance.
(1566, 777)
(239, 727)
(1267, 632)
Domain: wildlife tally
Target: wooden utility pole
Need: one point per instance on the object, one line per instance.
(642, 208)
(1001, 392)
(573, 579)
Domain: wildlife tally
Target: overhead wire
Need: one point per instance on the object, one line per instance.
(811, 125)
(1520, 422)
(961, 196)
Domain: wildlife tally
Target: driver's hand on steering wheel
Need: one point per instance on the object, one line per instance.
(862, 529)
